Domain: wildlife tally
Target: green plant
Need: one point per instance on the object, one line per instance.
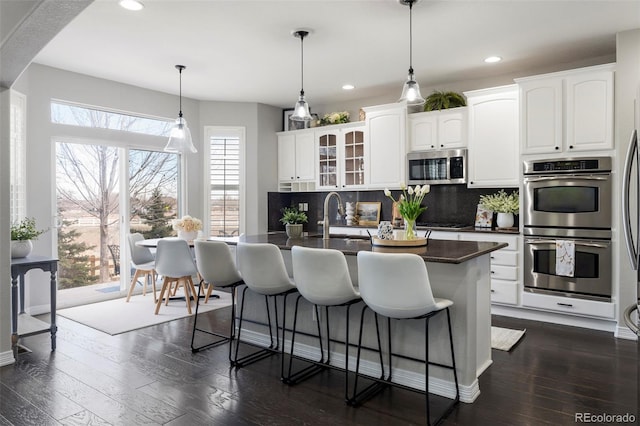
(25, 230)
(501, 202)
(335, 118)
(291, 215)
(442, 100)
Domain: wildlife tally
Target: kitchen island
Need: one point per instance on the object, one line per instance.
(458, 270)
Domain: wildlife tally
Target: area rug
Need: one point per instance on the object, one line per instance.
(505, 338)
(117, 316)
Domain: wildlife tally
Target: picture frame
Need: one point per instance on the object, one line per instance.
(368, 212)
(288, 124)
(286, 113)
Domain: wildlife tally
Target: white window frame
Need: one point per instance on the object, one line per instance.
(18, 155)
(224, 132)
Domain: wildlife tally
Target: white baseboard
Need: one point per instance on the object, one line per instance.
(625, 333)
(441, 387)
(6, 358)
(554, 318)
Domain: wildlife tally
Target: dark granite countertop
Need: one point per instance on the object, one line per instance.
(470, 228)
(442, 251)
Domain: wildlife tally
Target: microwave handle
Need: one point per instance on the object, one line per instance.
(578, 243)
(572, 177)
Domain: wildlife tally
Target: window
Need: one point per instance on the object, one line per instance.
(224, 185)
(84, 116)
(17, 146)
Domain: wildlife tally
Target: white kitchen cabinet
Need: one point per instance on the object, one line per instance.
(296, 160)
(341, 156)
(446, 129)
(505, 270)
(566, 112)
(569, 305)
(386, 145)
(494, 148)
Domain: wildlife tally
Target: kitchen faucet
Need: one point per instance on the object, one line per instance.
(325, 221)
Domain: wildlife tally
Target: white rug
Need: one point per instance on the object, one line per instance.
(117, 316)
(505, 338)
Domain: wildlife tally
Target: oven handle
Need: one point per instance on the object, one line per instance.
(571, 177)
(578, 243)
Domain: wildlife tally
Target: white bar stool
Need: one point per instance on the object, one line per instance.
(217, 268)
(322, 278)
(263, 270)
(396, 285)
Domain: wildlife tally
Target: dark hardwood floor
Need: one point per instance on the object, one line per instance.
(150, 376)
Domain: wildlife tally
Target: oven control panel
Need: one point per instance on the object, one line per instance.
(570, 165)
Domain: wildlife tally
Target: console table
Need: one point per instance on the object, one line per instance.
(29, 325)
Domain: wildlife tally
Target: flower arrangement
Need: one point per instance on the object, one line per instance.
(25, 230)
(291, 215)
(335, 118)
(187, 224)
(501, 202)
(410, 205)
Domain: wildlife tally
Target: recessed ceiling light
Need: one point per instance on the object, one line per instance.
(131, 4)
(493, 59)
(348, 87)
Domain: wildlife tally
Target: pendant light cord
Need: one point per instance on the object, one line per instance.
(180, 68)
(302, 63)
(410, 37)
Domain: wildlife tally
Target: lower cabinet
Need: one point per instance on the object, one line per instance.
(568, 305)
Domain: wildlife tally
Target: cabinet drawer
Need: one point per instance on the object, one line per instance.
(504, 272)
(504, 292)
(506, 258)
(568, 305)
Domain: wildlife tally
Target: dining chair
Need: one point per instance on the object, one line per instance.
(397, 286)
(144, 263)
(216, 268)
(174, 261)
(322, 278)
(263, 270)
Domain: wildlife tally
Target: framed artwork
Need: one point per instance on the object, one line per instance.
(368, 212)
(484, 217)
(286, 113)
(288, 124)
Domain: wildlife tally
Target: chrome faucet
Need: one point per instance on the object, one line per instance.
(325, 220)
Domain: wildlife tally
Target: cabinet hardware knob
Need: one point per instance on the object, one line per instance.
(556, 148)
(441, 145)
(492, 272)
(432, 146)
(493, 291)
(570, 146)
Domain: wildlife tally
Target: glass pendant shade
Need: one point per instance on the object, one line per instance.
(411, 92)
(301, 110)
(180, 138)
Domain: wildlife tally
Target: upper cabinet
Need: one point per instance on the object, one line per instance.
(568, 111)
(494, 154)
(341, 156)
(443, 129)
(385, 147)
(296, 160)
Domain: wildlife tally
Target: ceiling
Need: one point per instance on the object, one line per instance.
(243, 50)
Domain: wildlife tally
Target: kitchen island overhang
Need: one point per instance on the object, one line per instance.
(458, 270)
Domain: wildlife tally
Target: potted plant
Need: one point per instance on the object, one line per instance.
(21, 235)
(443, 100)
(293, 220)
(504, 204)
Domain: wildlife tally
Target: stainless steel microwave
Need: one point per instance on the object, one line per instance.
(437, 167)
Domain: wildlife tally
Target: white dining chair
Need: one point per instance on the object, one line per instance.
(144, 263)
(174, 261)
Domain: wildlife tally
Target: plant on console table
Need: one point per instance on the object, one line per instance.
(506, 205)
(293, 220)
(410, 206)
(21, 235)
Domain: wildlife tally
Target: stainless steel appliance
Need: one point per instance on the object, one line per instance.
(568, 200)
(437, 167)
(631, 221)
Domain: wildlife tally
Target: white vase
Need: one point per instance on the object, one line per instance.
(505, 220)
(188, 235)
(20, 248)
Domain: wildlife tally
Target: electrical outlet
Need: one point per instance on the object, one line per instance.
(306, 207)
(301, 207)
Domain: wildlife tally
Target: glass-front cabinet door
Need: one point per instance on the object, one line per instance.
(353, 158)
(328, 160)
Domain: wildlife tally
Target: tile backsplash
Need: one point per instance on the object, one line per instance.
(445, 203)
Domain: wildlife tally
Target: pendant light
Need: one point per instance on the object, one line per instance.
(180, 137)
(301, 110)
(411, 89)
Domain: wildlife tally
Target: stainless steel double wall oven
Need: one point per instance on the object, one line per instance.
(568, 199)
